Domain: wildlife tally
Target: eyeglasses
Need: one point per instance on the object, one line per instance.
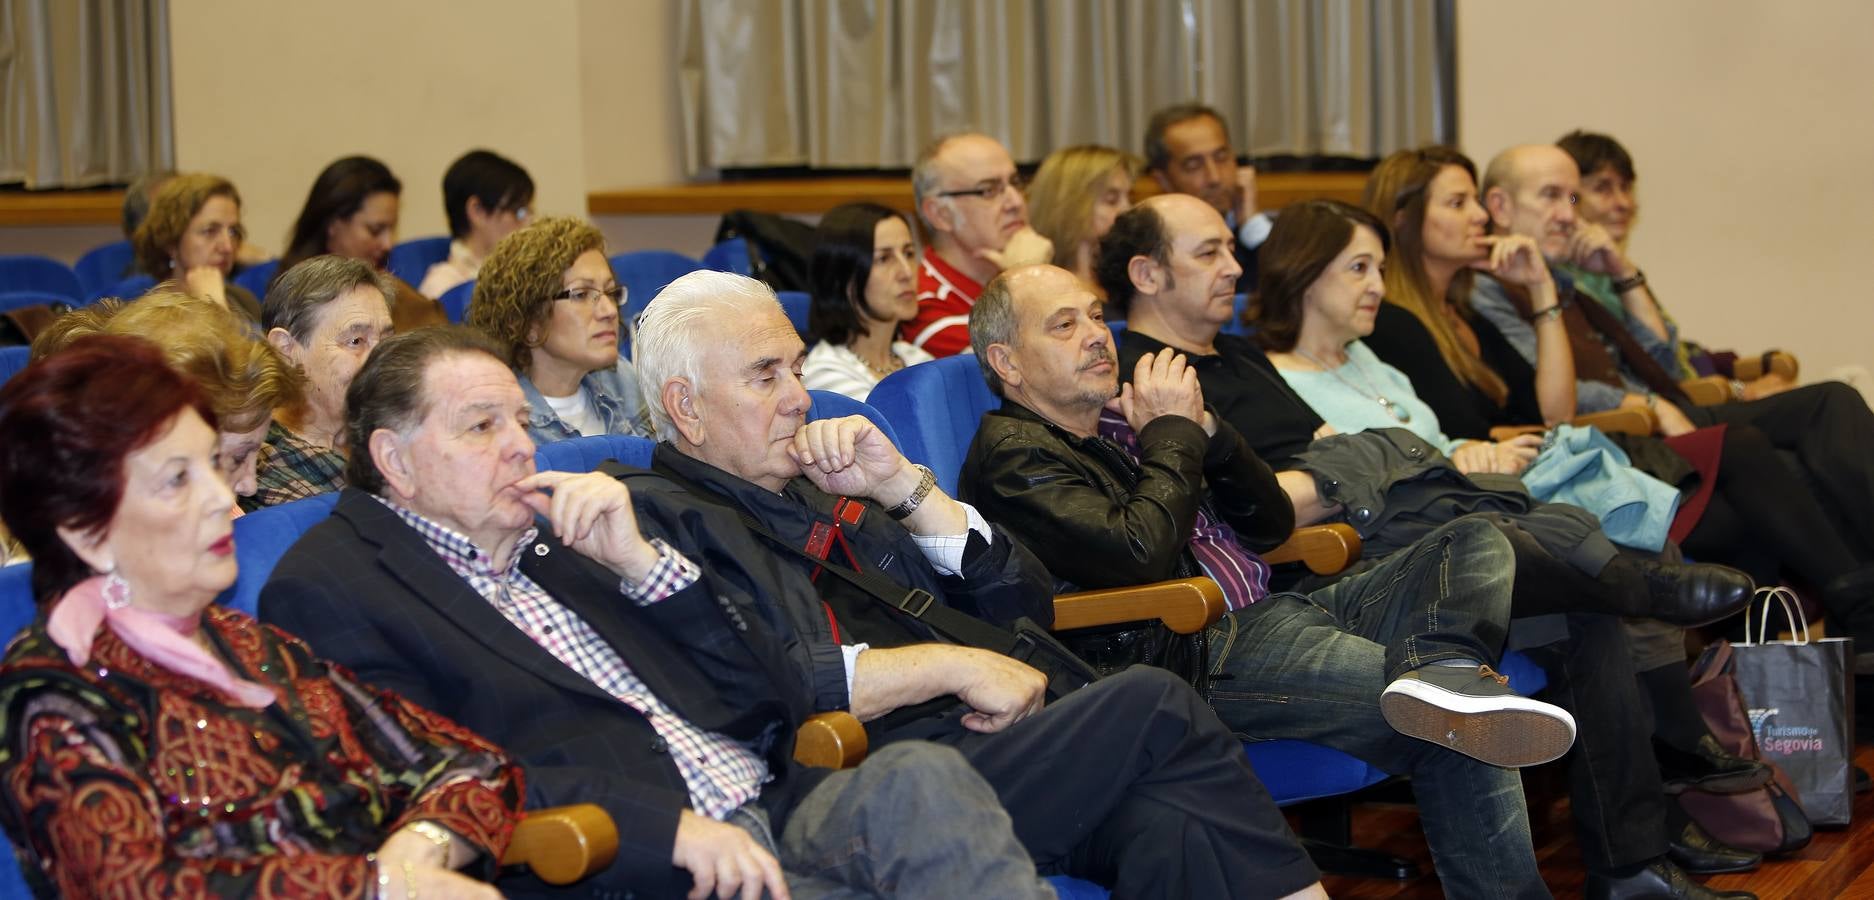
(586, 296)
(990, 190)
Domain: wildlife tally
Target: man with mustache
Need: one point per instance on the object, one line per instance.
(1151, 485)
(969, 197)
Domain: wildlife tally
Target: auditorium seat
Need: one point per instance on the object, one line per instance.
(12, 360)
(26, 272)
(796, 303)
(127, 288)
(644, 273)
(729, 256)
(12, 300)
(256, 276)
(411, 259)
(262, 537)
(583, 454)
(455, 301)
(834, 405)
(1235, 325)
(103, 266)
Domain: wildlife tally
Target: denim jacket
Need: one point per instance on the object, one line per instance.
(615, 399)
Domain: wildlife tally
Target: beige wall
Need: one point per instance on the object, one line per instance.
(1749, 124)
(269, 93)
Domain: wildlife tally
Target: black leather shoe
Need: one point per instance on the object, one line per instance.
(1697, 852)
(1660, 881)
(1707, 768)
(1684, 594)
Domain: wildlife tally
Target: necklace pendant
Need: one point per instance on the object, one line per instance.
(1398, 412)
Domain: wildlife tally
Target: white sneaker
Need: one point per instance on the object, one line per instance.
(1473, 711)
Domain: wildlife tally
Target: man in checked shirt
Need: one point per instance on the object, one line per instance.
(528, 606)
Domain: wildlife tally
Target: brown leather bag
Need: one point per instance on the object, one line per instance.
(1767, 819)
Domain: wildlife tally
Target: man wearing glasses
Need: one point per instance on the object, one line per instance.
(969, 197)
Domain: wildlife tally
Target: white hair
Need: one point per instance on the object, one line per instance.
(675, 324)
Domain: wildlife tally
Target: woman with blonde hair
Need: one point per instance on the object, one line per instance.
(548, 298)
(193, 235)
(242, 377)
(1074, 198)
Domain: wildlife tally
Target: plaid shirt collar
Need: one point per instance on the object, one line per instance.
(456, 549)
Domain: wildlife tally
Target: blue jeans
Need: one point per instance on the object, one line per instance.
(913, 820)
(1311, 668)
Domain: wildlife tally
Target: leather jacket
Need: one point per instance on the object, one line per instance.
(1098, 521)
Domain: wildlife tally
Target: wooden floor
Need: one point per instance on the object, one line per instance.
(1838, 863)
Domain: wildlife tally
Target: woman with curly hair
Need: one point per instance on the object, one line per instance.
(547, 297)
(243, 378)
(193, 235)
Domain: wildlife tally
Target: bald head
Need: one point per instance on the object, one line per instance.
(968, 196)
(1531, 190)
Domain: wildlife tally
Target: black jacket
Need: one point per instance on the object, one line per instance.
(1096, 521)
(1001, 581)
(364, 589)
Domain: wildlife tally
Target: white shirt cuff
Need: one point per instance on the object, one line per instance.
(1253, 232)
(945, 551)
(849, 653)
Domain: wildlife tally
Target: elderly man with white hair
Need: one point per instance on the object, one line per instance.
(1129, 780)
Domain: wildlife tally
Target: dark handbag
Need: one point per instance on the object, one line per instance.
(1767, 819)
(1112, 648)
(780, 249)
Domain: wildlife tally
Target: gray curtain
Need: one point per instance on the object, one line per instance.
(866, 83)
(84, 91)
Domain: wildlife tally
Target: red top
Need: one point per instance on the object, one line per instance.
(944, 298)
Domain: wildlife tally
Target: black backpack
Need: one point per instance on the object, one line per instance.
(780, 249)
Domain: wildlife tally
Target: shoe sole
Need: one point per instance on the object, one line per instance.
(1512, 732)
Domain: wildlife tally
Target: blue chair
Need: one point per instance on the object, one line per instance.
(730, 256)
(12, 300)
(262, 537)
(126, 289)
(1116, 326)
(17, 608)
(411, 259)
(455, 301)
(644, 273)
(583, 454)
(255, 277)
(25, 272)
(796, 303)
(1236, 325)
(832, 405)
(12, 360)
(104, 266)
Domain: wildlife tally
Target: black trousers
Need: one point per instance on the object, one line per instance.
(1830, 430)
(1134, 783)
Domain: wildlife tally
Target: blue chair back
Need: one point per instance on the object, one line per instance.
(455, 301)
(17, 608)
(832, 405)
(796, 303)
(262, 537)
(103, 266)
(411, 259)
(26, 272)
(255, 277)
(583, 454)
(644, 273)
(935, 407)
(127, 289)
(729, 256)
(12, 360)
(1236, 325)
(12, 300)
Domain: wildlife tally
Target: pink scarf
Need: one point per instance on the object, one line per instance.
(164, 640)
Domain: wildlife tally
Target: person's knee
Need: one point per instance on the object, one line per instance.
(1478, 539)
(920, 761)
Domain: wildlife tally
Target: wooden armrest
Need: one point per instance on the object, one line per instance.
(1325, 549)
(563, 844)
(1626, 420)
(1505, 432)
(1185, 605)
(1782, 363)
(1710, 390)
(830, 740)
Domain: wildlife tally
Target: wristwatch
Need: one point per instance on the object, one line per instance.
(909, 505)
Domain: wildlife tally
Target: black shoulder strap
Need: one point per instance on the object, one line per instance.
(915, 603)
